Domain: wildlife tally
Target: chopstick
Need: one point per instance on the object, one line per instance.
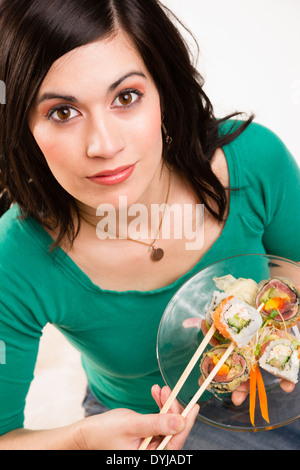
(200, 391)
(204, 386)
(183, 378)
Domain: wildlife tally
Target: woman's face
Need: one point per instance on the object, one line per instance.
(98, 113)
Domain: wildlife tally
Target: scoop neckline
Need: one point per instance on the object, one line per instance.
(65, 261)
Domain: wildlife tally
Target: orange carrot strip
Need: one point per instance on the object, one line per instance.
(217, 318)
(252, 390)
(263, 401)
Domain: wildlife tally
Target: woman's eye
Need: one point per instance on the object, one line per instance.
(62, 114)
(127, 99)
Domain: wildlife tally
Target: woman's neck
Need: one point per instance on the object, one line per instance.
(122, 216)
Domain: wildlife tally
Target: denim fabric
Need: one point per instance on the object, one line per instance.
(91, 405)
(206, 437)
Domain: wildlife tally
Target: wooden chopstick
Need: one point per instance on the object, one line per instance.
(204, 386)
(183, 378)
(200, 391)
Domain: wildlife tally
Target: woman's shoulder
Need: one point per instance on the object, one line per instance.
(261, 150)
(256, 138)
(10, 227)
(16, 242)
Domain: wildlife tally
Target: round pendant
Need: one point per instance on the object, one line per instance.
(157, 254)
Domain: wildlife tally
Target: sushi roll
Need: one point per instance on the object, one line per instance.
(216, 300)
(233, 372)
(236, 320)
(280, 358)
(279, 295)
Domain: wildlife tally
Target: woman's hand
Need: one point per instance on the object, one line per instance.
(124, 429)
(161, 396)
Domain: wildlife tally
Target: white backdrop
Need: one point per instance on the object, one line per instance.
(250, 58)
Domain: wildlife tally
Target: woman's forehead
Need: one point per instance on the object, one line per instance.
(104, 60)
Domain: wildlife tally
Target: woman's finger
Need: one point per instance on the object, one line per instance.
(175, 407)
(178, 440)
(192, 323)
(240, 394)
(286, 386)
(156, 394)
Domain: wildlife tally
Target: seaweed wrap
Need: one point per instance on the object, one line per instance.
(233, 372)
(236, 320)
(281, 296)
(280, 358)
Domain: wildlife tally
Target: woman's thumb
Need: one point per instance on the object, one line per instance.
(160, 425)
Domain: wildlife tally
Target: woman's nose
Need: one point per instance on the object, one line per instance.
(104, 139)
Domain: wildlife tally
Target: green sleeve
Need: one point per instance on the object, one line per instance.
(19, 335)
(269, 189)
(282, 195)
(21, 320)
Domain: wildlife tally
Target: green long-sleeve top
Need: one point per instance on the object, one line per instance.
(116, 331)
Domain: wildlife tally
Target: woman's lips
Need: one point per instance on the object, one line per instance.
(111, 177)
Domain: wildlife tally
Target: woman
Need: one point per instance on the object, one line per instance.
(104, 107)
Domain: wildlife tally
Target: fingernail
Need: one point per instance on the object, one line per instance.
(177, 424)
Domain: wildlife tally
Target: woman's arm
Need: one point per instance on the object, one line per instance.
(51, 439)
(119, 429)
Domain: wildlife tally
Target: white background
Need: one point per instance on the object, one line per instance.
(250, 58)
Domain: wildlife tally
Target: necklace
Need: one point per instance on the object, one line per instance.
(156, 254)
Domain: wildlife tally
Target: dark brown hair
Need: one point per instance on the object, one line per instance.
(35, 33)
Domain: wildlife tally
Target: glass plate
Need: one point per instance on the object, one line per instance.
(177, 344)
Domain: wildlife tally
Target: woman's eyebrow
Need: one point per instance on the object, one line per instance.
(72, 99)
(127, 75)
(55, 96)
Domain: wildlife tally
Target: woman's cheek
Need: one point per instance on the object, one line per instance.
(45, 139)
(57, 147)
(148, 132)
